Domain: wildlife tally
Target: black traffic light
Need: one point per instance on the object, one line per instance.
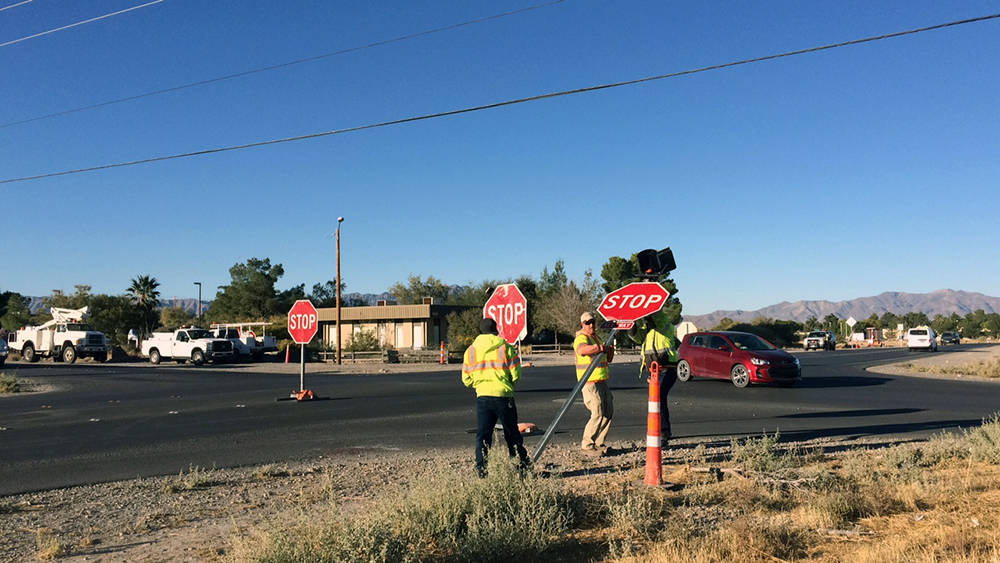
(654, 264)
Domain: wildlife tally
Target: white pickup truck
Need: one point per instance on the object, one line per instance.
(187, 343)
(245, 338)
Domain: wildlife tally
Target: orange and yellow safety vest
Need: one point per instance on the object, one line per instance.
(491, 367)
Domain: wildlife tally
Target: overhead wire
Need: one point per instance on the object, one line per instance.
(504, 103)
(16, 5)
(284, 64)
(79, 23)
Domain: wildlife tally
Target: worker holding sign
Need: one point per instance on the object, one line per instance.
(660, 346)
(492, 367)
(596, 395)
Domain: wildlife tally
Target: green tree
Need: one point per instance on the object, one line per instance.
(145, 294)
(889, 320)
(463, 327)
(912, 319)
(416, 289)
(114, 315)
(725, 323)
(618, 271)
(831, 322)
(812, 323)
(251, 295)
(551, 282)
(15, 312)
(364, 341)
(173, 318)
(560, 312)
(872, 321)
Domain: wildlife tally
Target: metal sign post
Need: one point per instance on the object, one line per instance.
(569, 401)
(302, 367)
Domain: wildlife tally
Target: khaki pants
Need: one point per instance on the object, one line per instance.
(597, 398)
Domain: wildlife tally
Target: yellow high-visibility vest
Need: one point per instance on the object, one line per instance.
(491, 367)
(600, 372)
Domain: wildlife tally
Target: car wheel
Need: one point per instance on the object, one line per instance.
(3, 361)
(740, 375)
(154, 356)
(197, 357)
(28, 353)
(683, 371)
(69, 354)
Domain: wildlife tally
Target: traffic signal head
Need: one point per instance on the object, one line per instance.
(654, 264)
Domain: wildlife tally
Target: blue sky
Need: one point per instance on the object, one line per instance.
(832, 175)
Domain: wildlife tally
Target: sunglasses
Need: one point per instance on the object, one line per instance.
(590, 322)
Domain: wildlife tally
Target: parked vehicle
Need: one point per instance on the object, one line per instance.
(741, 357)
(820, 339)
(950, 338)
(246, 342)
(921, 338)
(65, 338)
(187, 343)
(3, 352)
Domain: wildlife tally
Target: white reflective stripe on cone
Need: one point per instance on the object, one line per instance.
(654, 406)
(652, 441)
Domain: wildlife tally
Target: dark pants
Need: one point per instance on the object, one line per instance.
(668, 376)
(488, 411)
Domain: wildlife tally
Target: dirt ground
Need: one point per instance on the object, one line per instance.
(919, 360)
(193, 516)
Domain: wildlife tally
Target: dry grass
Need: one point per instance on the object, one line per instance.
(195, 478)
(9, 384)
(934, 501)
(49, 546)
(985, 368)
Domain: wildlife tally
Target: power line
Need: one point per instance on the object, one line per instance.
(16, 5)
(283, 65)
(79, 23)
(503, 103)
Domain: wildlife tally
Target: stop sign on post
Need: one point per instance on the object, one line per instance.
(633, 302)
(508, 307)
(303, 321)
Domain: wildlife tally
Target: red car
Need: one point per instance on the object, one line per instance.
(741, 357)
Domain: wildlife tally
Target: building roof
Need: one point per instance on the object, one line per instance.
(389, 312)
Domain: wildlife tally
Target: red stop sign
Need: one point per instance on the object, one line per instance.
(508, 307)
(633, 302)
(303, 321)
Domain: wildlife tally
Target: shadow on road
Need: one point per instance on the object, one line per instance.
(857, 412)
(823, 382)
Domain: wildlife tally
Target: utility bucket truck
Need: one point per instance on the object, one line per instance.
(65, 338)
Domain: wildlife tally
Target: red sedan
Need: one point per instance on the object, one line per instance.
(741, 357)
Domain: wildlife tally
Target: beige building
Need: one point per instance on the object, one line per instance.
(399, 326)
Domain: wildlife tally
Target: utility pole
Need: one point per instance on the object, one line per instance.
(339, 327)
(199, 301)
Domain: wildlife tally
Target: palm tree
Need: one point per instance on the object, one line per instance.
(144, 292)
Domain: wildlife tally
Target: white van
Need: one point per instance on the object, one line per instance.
(921, 338)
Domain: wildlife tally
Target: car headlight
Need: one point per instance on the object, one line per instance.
(80, 341)
(759, 361)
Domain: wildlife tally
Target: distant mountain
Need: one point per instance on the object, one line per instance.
(940, 302)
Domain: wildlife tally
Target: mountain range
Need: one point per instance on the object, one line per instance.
(940, 302)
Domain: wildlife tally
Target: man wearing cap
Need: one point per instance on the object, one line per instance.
(596, 395)
(492, 367)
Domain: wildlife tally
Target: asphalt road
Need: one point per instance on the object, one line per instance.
(109, 422)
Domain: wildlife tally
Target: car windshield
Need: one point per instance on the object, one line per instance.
(750, 342)
(817, 334)
(78, 327)
(919, 332)
(199, 333)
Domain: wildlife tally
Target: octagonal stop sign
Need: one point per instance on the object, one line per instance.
(508, 307)
(303, 321)
(633, 302)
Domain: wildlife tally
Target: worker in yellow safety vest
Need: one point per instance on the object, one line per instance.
(660, 345)
(492, 367)
(596, 395)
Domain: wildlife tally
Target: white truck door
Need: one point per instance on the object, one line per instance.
(180, 345)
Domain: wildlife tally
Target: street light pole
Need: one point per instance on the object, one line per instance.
(339, 327)
(199, 301)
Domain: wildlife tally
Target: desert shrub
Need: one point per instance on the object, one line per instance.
(446, 515)
(9, 384)
(984, 442)
(195, 478)
(763, 454)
